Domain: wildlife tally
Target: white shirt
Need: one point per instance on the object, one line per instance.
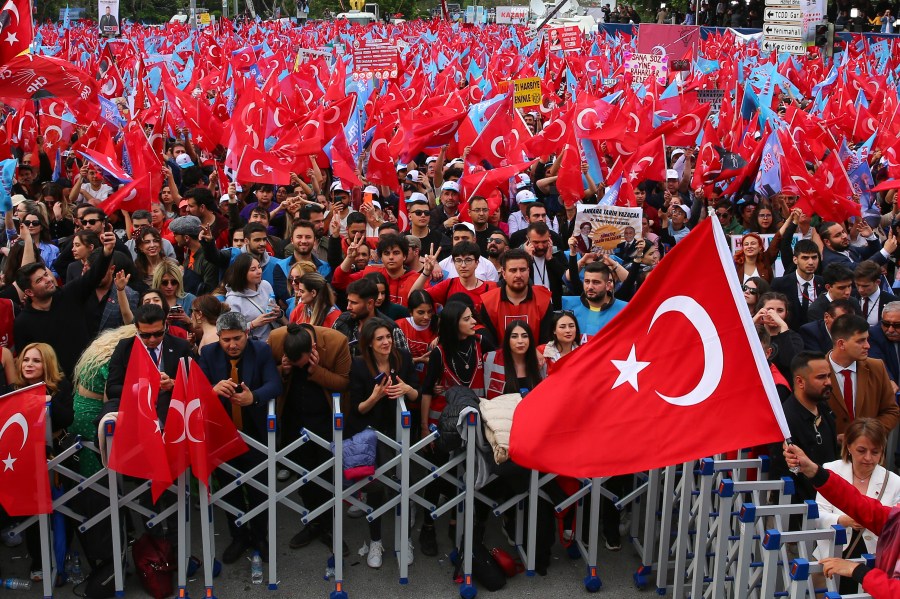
(485, 270)
(872, 316)
(838, 370)
(97, 195)
(812, 288)
(539, 274)
(517, 221)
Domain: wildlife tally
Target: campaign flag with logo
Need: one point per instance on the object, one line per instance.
(680, 368)
(24, 479)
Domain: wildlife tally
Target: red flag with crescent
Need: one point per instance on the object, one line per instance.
(632, 381)
(16, 30)
(24, 479)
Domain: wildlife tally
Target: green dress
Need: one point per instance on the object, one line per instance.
(87, 410)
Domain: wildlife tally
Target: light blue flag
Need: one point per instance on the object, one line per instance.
(768, 177)
(593, 162)
(65, 24)
(612, 194)
(7, 173)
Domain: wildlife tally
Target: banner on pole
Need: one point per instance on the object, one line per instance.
(610, 225)
(527, 92)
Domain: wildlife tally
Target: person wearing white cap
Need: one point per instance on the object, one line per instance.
(447, 213)
(675, 188)
(371, 207)
(519, 220)
(340, 204)
(674, 224)
(419, 225)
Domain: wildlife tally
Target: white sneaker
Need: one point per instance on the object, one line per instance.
(409, 560)
(374, 557)
(356, 512)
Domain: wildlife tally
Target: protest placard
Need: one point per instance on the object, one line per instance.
(610, 225)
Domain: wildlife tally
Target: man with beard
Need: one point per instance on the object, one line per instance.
(809, 418)
(596, 305)
(497, 243)
(516, 299)
(479, 212)
(838, 248)
(303, 240)
(361, 297)
(315, 213)
(447, 213)
(340, 205)
(547, 268)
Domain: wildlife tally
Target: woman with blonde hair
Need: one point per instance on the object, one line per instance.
(91, 372)
(169, 279)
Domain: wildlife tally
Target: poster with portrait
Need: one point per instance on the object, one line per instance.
(605, 227)
(109, 17)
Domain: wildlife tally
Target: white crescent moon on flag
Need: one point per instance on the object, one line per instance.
(18, 419)
(713, 358)
(253, 168)
(495, 150)
(192, 407)
(581, 114)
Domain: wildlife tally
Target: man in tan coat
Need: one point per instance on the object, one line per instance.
(315, 362)
(861, 386)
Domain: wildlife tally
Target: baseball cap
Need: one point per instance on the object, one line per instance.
(184, 161)
(430, 159)
(450, 186)
(463, 225)
(401, 166)
(371, 189)
(377, 204)
(683, 208)
(338, 186)
(414, 242)
(526, 195)
(522, 181)
(671, 173)
(18, 199)
(416, 176)
(417, 198)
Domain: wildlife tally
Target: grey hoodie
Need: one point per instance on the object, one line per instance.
(251, 304)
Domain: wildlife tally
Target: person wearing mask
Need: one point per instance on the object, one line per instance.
(244, 376)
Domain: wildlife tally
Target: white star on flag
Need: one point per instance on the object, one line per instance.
(8, 462)
(11, 38)
(628, 370)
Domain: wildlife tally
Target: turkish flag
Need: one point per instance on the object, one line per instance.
(128, 197)
(211, 435)
(342, 163)
(24, 479)
(629, 401)
(256, 167)
(684, 129)
(15, 29)
(138, 448)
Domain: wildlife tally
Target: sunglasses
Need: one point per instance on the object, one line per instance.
(721, 214)
(294, 280)
(419, 212)
(168, 283)
(496, 240)
(31, 223)
(890, 325)
(750, 290)
(91, 221)
(152, 334)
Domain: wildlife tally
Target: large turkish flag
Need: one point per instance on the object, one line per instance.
(679, 374)
(24, 480)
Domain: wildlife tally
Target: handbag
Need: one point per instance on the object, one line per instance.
(507, 563)
(154, 559)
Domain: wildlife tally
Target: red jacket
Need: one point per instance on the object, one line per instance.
(398, 289)
(871, 514)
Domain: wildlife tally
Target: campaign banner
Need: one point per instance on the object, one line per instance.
(375, 60)
(511, 15)
(109, 17)
(675, 41)
(711, 96)
(527, 92)
(609, 225)
(566, 39)
(641, 66)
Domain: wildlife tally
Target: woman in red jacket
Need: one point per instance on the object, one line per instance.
(882, 581)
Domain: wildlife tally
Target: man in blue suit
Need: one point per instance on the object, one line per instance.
(884, 339)
(243, 374)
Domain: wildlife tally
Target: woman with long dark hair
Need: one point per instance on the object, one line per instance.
(566, 337)
(35, 219)
(148, 247)
(383, 302)
(515, 367)
(380, 376)
(315, 301)
(248, 293)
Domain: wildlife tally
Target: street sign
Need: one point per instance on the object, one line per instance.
(783, 30)
(782, 14)
(791, 3)
(783, 45)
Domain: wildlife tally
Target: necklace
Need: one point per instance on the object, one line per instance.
(466, 356)
(861, 480)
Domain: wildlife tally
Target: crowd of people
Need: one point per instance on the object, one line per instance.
(343, 279)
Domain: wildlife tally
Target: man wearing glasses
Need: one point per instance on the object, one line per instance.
(465, 256)
(479, 212)
(885, 341)
(419, 218)
(497, 243)
(164, 349)
(809, 418)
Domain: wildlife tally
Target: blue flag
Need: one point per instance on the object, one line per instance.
(7, 174)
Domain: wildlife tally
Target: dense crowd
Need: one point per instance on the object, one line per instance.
(403, 276)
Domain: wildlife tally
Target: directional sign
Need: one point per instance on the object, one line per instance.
(781, 15)
(793, 3)
(781, 45)
(783, 30)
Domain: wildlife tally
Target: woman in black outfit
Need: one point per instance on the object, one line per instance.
(381, 375)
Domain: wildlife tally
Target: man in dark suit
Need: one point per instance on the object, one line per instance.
(801, 286)
(547, 268)
(165, 350)
(838, 249)
(867, 277)
(838, 279)
(884, 339)
(243, 374)
(816, 335)
(315, 362)
(862, 388)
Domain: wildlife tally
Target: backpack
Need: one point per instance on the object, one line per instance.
(485, 569)
(458, 398)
